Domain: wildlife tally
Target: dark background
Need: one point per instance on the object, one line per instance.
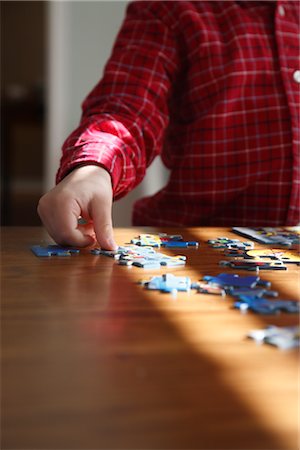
(23, 83)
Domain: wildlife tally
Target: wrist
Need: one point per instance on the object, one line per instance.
(86, 170)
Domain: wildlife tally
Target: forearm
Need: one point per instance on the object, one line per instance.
(125, 116)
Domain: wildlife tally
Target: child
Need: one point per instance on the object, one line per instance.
(213, 87)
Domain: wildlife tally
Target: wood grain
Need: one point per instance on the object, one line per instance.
(91, 360)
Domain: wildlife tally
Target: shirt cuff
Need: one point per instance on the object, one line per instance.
(107, 152)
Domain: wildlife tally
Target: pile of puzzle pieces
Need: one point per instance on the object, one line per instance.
(139, 256)
(140, 252)
(251, 293)
(246, 258)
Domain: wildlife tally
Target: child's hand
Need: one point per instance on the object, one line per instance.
(85, 192)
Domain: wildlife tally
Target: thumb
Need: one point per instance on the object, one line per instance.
(102, 220)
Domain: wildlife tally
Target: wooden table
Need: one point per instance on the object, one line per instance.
(91, 360)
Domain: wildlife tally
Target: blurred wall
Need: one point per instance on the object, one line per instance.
(80, 39)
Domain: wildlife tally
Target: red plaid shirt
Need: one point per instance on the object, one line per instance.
(213, 87)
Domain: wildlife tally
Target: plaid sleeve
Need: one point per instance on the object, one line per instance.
(125, 115)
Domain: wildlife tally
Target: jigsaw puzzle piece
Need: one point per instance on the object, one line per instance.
(227, 243)
(234, 280)
(53, 250)
(163, 240)
(285, 236)
(287, 257)
(265, 306)
(284, 338)
(253, 292)
(146, 263)
(246, 264)
(206, 288)
(179, 244)
(283, 255)
(168, 283)
(147, 240)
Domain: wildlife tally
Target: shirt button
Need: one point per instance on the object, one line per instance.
(281, 11)
(296, 76)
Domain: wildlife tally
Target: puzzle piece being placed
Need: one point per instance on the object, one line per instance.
(53, 250)
(145, 257)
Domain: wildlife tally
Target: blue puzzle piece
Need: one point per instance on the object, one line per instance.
(168, 283)
(252, 292)
(53, 250)
(234, 280)
(264, 306)
(179, 244)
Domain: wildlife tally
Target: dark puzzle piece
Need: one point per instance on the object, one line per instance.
(265, 306)
(227, 280)
(253, 292)
(246, 264)
(53, 250)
